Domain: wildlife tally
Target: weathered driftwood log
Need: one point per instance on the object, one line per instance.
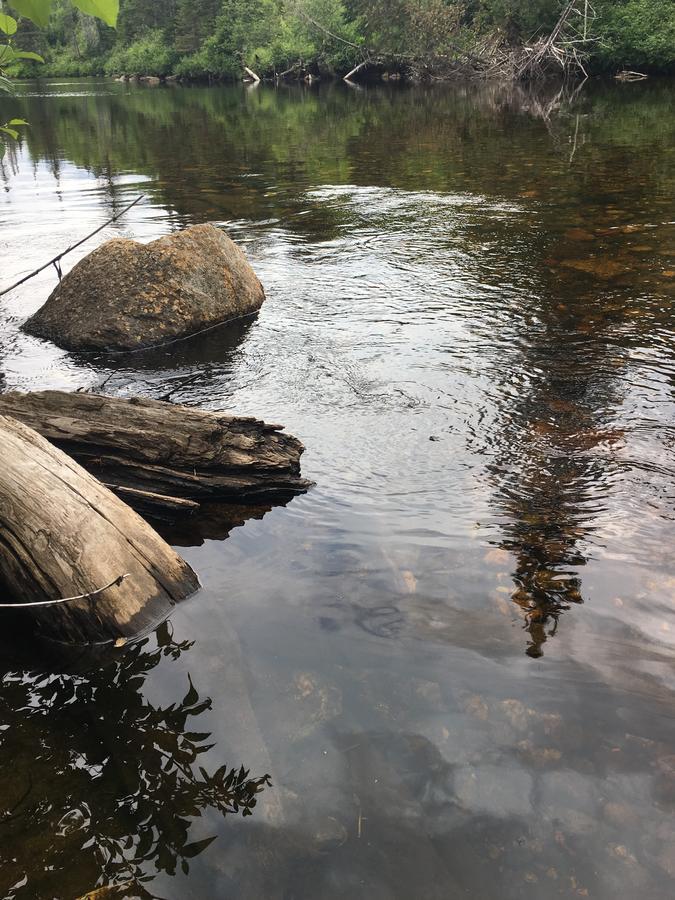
(163, 458)
(251, 75)
(63, 534)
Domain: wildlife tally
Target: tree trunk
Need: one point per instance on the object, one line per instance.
(157, 456)
(63, 534)
(252, 75)
(355, 71)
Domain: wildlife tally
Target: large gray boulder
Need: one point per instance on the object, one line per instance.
(126, 295)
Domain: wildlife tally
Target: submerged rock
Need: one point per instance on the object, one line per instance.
(126, 295)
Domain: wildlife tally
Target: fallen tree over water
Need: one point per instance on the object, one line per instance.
(80, 562)
(161, 459)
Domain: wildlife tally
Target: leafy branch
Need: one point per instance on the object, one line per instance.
(38, 11)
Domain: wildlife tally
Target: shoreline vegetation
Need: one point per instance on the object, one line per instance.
(308, 40)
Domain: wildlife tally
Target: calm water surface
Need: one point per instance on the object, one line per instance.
(454, 657)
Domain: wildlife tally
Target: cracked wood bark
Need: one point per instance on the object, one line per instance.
(63, 534)
(159, 456)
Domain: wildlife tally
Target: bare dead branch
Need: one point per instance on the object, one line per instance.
(57, 259)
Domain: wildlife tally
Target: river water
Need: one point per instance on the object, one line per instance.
(455, 656)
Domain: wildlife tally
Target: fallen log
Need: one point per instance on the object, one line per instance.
(627, 75)
(64, 535)
(355, 71)
(251, 75)
(164, 459)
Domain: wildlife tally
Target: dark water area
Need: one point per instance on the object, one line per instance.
(455, 656)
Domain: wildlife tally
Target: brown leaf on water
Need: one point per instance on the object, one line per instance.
(109, 891)
(578, 234)
(600, 268)
(566, 407)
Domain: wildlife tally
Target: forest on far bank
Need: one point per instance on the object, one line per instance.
(215, 39)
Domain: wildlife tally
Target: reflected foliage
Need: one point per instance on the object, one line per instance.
(91, 770)
(236, 156)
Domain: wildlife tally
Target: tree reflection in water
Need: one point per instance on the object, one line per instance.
(92, 772)
(555, 461)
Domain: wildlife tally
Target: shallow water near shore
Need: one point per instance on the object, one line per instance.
(455, 656)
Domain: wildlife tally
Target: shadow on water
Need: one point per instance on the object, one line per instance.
(191, 364)
(212, 522)
(129, 784)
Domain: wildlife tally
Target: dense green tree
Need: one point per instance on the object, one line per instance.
(518, 19)
(636, 33)
(216, 38)
(137, 17)
(194, 22)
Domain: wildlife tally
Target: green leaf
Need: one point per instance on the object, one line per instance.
(10, 131)
(8, 24)
(106, 10)
(6, 85)
(192, 696)
(28, 54)
(17, 122)
(35, 10)
(191, 850)
(9, 55)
